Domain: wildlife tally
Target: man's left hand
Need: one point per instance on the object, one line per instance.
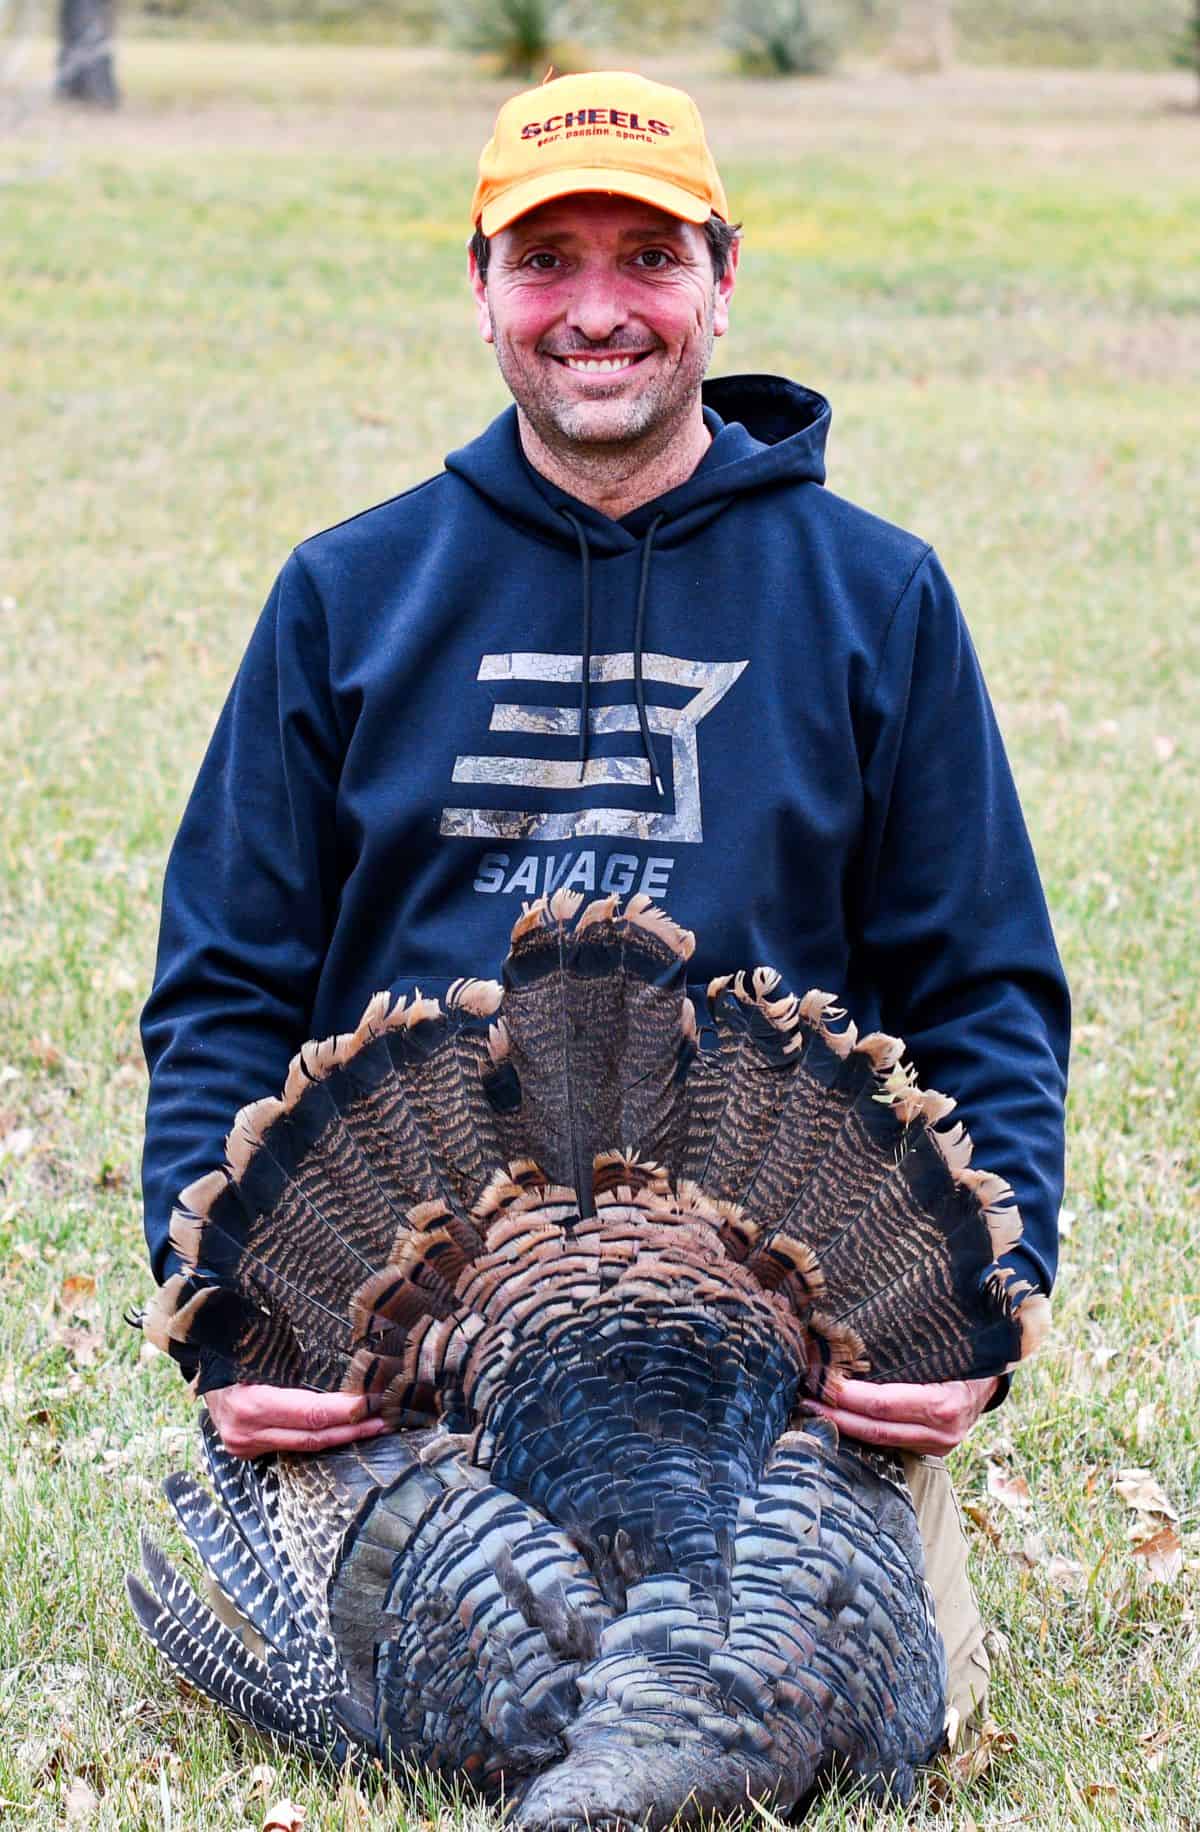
(897, 1416)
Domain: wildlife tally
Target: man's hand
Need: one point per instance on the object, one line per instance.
(254, 1420)
(897, 1416)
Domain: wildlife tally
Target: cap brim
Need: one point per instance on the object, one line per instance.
(569, 181)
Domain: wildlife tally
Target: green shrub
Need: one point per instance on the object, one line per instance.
(784, 37)
(520, 37)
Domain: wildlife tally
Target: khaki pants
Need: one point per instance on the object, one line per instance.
(945, 1541)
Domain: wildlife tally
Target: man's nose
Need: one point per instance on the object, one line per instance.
(596, 308)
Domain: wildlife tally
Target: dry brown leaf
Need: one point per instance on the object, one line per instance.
(1140, 1489)
(74, 1292)
(1154, 1744)
(82, 1345)
(260, 1782)
(1161, 1557)
(285, 1816)
(977, 1513)
(81, 1803)
(1103, 1791)
(1067, 1573)
(1033, 1550)
(1144, 1422)
(988, 1743)
(1010, 1491)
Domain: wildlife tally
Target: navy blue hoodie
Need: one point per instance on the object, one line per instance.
(788, 742)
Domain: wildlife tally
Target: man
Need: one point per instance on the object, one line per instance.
(625, 641)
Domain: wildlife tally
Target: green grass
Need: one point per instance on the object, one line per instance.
(233, 318)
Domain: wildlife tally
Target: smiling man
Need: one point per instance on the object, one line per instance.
(626, 641)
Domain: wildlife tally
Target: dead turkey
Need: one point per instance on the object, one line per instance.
(602, 1566)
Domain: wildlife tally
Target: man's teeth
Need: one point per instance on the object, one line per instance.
(600, 365)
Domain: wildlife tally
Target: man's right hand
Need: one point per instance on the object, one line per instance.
(253, 1420)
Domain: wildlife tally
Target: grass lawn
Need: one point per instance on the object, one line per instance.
(235, 313)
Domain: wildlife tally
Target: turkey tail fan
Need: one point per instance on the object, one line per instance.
(815, 1134)
(334, 1249)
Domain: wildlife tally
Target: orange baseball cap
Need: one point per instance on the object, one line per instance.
(608, 130)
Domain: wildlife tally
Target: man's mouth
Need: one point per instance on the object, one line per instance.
(602, 365)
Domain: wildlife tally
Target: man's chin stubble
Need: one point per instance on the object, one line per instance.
(571, 428)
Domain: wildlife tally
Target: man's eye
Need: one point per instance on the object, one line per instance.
(542, 261)
(655, 259)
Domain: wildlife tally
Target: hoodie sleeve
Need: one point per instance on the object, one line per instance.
(954, 926)
(250, 888)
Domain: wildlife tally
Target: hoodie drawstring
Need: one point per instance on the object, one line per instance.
(585, 643)
(639, 630)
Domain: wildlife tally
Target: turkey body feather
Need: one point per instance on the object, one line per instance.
(588, 1272)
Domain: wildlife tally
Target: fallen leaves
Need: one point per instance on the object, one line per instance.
(77, 1330)
(1011, 1491)
(1153, 1744)
(1067, 1573)
(976, 1512)
(81, 1803)
(76, 1290)
(1160, 1557)
(958, 1769)
(17, 1143)
(1140, 1490)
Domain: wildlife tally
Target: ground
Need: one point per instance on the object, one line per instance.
(235, 313)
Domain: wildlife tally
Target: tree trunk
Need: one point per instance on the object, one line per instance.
(924, 38)
(85, 53)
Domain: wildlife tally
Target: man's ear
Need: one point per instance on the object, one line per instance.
(725, 286)
(483, 316)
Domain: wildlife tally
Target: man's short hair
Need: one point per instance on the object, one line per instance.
(719, 235)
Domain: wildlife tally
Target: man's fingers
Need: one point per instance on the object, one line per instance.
(258, 1442)
(887, 1434)
(288, 1408)
(901, 1401)
(255, 1419)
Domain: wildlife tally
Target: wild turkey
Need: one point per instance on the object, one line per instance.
(588, 1271)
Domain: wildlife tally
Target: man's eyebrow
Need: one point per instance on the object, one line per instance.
(663, 231)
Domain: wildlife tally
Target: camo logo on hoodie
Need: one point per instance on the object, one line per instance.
(511, 766)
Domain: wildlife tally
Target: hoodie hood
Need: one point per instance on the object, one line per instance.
(766, 431)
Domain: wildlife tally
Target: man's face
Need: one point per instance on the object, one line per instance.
(603, 313)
